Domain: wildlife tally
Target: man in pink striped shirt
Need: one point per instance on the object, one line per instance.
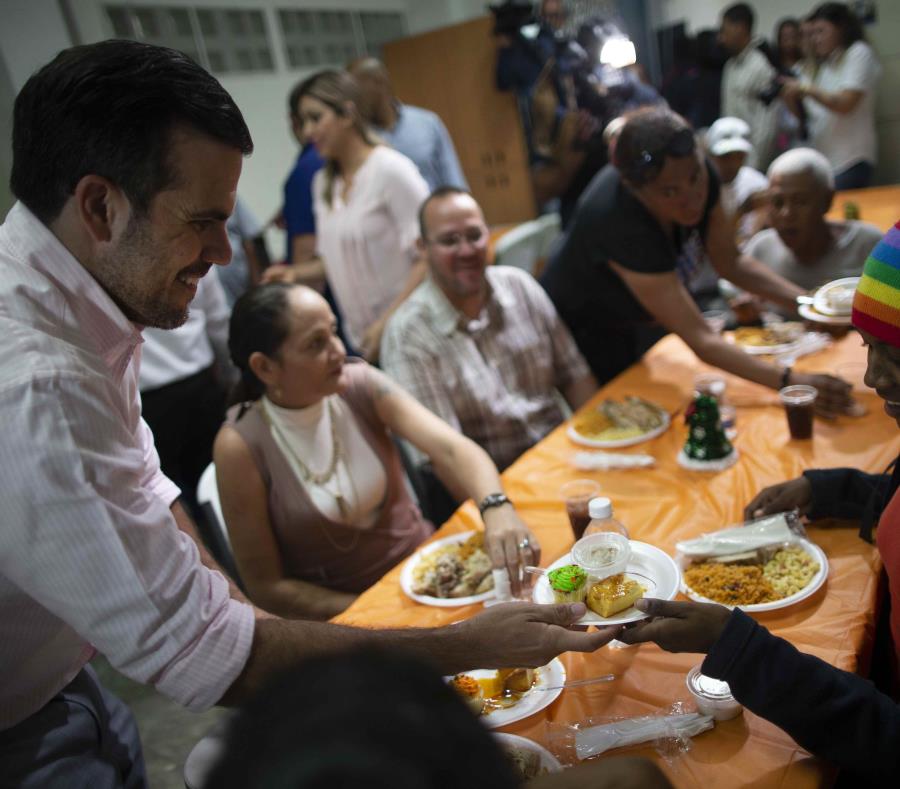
(126, 159)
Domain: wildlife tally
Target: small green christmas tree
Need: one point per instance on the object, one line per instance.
(706, 436)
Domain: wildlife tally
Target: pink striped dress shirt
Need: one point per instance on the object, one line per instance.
(90, 556)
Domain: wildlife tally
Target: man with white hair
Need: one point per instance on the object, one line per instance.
(802, 245)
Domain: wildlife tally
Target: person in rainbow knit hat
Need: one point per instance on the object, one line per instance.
(832, 713)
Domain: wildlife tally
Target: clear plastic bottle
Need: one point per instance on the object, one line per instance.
(600, 510)
(602, 520)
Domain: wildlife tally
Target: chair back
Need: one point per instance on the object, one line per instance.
(216, 533)
(527, 246)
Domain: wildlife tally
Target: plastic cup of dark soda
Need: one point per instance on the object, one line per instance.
(577, 496)
(799, 404)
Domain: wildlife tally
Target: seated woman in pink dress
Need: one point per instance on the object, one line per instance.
(310, 480)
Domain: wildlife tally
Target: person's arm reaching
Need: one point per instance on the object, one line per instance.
(745, 272)
(666, 299)
(515, 634)
(832, 713)
(820, 493)
(244, 499)
(464, 467)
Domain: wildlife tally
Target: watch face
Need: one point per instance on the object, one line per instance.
(493, 500)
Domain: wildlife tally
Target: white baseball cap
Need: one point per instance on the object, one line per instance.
(727, 135)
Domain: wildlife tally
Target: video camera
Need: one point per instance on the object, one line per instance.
(580, 76)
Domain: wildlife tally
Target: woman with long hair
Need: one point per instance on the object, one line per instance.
(366, 201)
(310, 480)
(839, 97)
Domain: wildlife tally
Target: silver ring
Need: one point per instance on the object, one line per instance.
(523, 544)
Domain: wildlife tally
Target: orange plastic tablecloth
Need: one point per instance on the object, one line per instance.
(667, 503)
(879, 205)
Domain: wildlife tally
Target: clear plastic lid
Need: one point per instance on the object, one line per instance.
(600, 507)
(707, 687)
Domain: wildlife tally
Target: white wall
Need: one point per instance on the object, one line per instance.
(430, 14)
(33, 31)
(884, 36)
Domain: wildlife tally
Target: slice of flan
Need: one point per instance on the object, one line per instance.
(613, 595)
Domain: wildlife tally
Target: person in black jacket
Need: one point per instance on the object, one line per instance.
(832, 713)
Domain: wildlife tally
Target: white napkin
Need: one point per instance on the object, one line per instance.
(502, 588)
(597, 739)
(604, 461)
(736, 539)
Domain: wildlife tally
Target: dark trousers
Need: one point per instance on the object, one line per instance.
(83, 738)
(185, 417)
(859, 176)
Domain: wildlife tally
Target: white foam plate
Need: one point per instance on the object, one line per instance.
(810, 589)
(649, 566)
(806, 311)
(584, 441)
(768, 350)
(549, 763)
(406, 576)
(553, 675)
(820, 300)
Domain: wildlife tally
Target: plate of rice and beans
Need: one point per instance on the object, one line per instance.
(761, 580)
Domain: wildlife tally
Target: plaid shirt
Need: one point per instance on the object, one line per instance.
(492, 378)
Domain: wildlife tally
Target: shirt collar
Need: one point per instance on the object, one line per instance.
(113, 336)
(754, 44)
(448, 319)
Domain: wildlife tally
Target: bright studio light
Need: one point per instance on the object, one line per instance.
(618, 52)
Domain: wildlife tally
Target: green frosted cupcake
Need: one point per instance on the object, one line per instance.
(569, 584)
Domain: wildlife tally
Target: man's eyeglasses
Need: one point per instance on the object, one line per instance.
(454, 240)
(650, 162)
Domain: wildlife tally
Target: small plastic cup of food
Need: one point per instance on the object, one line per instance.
(601, 555)
(713, 696)
(716, 320)
(710, 384)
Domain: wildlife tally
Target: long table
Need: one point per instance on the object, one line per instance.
(879, 205)
(667, 503)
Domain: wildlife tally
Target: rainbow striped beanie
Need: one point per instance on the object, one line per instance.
(876, 304)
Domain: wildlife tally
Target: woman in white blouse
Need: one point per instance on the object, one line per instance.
(309, 477)
(366, 201)
(839, 97)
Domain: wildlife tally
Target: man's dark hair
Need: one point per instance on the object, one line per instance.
(840, 15)
(109, 109)
(740, 14)
(366, 718)
(439, 192)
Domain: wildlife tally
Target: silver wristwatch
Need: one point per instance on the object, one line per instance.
(493, 500)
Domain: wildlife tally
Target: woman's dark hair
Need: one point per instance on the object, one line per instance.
(840, 15)
(363, 718)
(109, 109)
(259, 322)
(647, 139)
(788, 21)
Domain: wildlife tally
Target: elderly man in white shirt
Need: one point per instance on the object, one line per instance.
(126, 159)
(803, 245)
(748, 75)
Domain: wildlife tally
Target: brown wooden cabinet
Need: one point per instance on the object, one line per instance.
(451, 72)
